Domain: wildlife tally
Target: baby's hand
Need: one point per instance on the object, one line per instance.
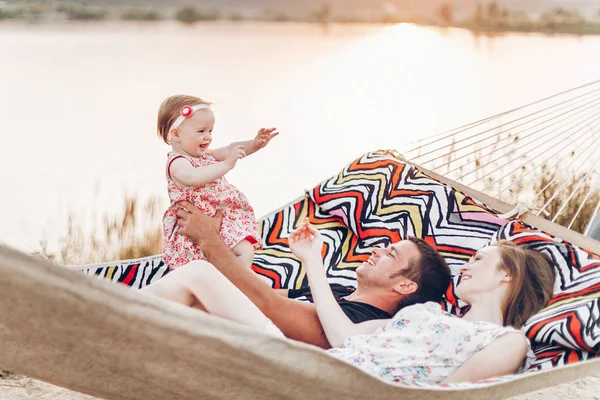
(235, 154)
(264, 136)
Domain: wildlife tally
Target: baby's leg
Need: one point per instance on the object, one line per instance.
(245, 252)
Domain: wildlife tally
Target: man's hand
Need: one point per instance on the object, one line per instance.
(196, 225)
(306, 242)
(264, 136)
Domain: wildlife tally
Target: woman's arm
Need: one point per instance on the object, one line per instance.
(493, 360)
(263, 137)
(306, 243)
(185, 174)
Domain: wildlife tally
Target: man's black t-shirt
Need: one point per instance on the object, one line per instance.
(356, 311)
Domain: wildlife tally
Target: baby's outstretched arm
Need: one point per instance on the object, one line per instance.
(185, 174)
(263, 137)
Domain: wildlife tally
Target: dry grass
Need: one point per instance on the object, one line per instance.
(568, 199)
(554, 190)
(136, 232)
(560, 189)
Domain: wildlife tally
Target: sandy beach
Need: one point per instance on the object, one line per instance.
(15, 387)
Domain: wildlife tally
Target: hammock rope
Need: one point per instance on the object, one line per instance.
(446, 134)
(540, 150)
(572, 175)
(581, 182)
(591, 221)
(590, 136)
(536, 136)
(549, 169)
(493, 134)
(583, 203)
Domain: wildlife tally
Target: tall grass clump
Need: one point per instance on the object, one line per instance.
(569, 199)
(134, 233)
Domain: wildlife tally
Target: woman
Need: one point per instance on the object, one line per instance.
(504, 286)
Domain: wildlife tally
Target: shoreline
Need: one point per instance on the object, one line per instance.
(491, 33)
(490, 18)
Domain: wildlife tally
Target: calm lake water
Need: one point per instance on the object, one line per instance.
(78, 103)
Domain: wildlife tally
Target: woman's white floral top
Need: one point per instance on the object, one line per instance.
(421, 344)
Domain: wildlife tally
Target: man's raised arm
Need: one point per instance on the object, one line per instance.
(297, 320)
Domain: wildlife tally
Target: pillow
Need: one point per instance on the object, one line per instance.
(382, 199)
(375, 200)
(571, 320)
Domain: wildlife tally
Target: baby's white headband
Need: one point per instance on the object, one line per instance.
(186, 112)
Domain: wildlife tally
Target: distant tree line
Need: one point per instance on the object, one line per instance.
(486, 17)
(187, 14)
(492, 17)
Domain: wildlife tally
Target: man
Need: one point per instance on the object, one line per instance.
(403, 273)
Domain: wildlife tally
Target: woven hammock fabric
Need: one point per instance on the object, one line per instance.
(112, 342)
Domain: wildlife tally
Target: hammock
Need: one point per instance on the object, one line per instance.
(96, 337)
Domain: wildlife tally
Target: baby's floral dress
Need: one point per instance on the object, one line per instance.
(239, 222)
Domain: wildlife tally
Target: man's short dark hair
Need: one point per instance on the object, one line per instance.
(430, 272)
